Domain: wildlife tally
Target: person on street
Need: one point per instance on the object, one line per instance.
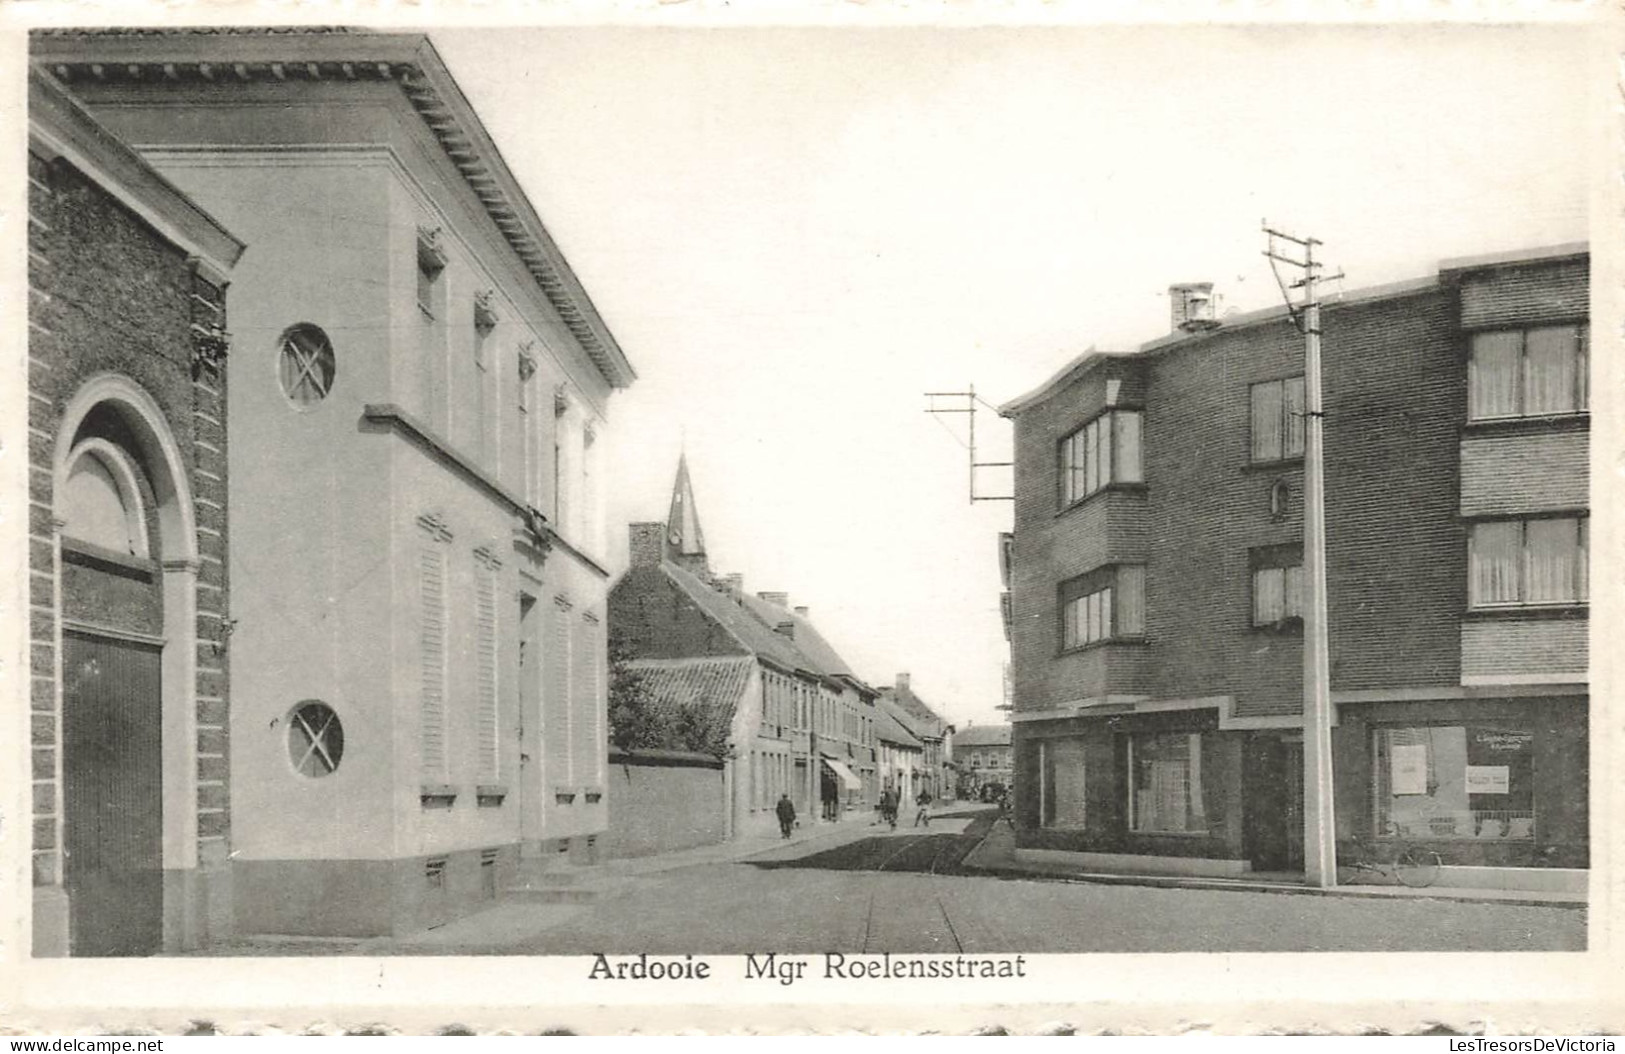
(786, 810)
(889, 806)
(924, 802)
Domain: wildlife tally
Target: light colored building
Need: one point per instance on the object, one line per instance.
(420, 383)
(934, 734)
(901, 755)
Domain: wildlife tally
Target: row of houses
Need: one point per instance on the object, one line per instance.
(317, 588)
(1157, 587)
(799, 721)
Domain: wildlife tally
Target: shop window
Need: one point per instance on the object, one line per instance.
(1102, 452)
(1277, 419)
(1105, 604)
(315, 739)
(1515, 563)
(1065, 803)
(307, 365)
(1278, 588)
(1453, 782)
(1528, 373)
(1165, 784)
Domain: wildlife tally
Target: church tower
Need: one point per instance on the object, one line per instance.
(685, 542)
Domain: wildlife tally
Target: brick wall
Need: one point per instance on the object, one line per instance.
(654, 619)
(108, 294)
(1395, 404)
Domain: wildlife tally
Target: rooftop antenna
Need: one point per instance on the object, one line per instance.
(934, 406)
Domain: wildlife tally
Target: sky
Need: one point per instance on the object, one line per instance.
(795, 233)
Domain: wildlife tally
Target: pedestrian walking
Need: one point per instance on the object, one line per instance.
(786, 810)
(924, 802)
(888, 806)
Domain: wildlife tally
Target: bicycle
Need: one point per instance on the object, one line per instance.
(1410, 865)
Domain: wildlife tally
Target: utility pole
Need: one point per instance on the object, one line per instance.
(1319, 824)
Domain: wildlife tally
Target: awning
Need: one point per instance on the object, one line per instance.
(848, 778)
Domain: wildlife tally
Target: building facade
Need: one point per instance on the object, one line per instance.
(128, 558)
(1157, 582)
(984, 760)
(800, 721)
(927, 727)
(418, 634)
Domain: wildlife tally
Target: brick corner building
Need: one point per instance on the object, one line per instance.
(1157, 584)
(127, 566)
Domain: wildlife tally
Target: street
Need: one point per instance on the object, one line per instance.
(867, 889)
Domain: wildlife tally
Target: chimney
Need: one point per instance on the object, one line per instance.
(802, 611)
(1192, 306)
(776, 599)
(647, 543)
(902, 682)
(786, 628)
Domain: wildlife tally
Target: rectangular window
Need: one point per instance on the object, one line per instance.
(1453, 782)
(1165, 784)
(1105, 604)
(1102, 452)
(1065, 801)
(1278, 585)
(1528, 562)
(1528, 372)
(1278, 419)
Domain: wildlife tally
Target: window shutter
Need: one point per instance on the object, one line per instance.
(556, 726)
(485, 654)
(432, 660)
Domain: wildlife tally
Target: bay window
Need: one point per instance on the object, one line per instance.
(1528, 372)
(1102, 452)
(1105, 604)
(1528, 562)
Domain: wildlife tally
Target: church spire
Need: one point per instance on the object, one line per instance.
(684, 539)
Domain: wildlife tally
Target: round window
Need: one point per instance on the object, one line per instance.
(306, 367)
(315, 739)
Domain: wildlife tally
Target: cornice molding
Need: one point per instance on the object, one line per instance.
(407, 60)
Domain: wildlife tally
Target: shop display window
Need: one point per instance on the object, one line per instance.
(1065, 804)
(1453, 782)
(1165, 784)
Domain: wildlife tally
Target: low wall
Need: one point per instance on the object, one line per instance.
(661, 800)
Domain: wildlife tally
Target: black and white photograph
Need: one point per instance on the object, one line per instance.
(799, 508)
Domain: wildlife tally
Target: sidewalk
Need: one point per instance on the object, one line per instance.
(511, 922)
(996, 856)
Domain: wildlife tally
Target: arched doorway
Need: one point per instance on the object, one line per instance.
(127, 602)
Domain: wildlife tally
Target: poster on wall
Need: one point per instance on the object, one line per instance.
(1409, 771)
(1489, 779)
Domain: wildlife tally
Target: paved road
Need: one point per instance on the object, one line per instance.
(741, 908)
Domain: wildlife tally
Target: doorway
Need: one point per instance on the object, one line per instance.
(1272, 795)
(112, 775)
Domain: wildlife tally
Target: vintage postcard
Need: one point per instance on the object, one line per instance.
(824, 518)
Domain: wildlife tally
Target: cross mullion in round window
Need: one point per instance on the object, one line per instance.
(315, 739)
(307, 366)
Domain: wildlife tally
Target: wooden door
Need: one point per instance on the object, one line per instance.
(112, 769)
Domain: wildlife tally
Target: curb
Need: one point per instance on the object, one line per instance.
(1233, 886)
